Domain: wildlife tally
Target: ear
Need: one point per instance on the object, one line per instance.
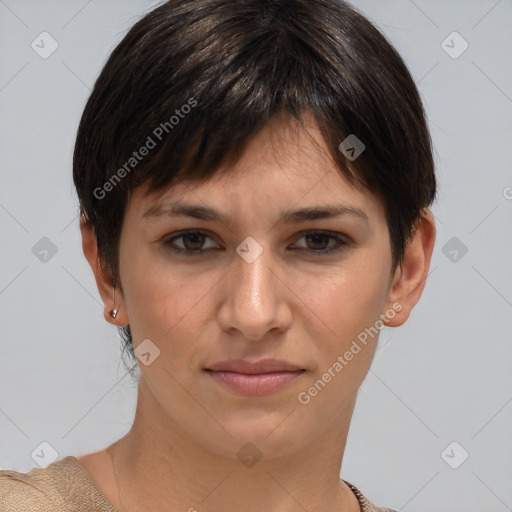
(104, 280)
(409, 277)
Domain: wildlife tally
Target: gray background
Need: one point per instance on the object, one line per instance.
(444, 376)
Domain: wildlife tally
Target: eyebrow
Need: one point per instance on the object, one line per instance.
(179, 209)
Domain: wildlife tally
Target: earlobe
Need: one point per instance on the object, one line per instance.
(114, 311)
(410, 277)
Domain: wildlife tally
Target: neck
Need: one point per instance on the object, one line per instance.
(158, 467)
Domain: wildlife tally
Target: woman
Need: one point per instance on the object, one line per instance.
(254, 182)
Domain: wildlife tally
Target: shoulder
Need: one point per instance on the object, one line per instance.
(31, 492)
(62, 486)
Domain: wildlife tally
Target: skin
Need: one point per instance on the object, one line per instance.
(181, 451)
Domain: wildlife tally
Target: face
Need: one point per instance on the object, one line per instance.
(262, 283)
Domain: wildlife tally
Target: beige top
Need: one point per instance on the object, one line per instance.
(65, 486)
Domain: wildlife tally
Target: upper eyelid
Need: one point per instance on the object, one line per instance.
(179, 234)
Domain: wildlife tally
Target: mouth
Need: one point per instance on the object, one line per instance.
(254, 379)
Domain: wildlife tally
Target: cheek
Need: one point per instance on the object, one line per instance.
(343, 346)
(349, 300)
(166, 302)
(348, 304)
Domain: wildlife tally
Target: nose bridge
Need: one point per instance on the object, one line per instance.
(254, 280)
(253, 304)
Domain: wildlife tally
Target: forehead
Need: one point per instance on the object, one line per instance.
(285, 164)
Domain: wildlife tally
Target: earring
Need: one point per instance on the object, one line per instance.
(113, 312)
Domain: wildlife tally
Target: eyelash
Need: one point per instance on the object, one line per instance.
(340, 243)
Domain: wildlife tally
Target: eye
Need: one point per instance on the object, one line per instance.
(317, 243)
(319, 240)
(193, 241)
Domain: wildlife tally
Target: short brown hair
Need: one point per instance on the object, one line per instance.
(234, 66)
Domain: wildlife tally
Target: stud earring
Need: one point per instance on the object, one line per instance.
(113, 312)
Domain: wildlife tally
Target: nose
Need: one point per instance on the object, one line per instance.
(256, 300)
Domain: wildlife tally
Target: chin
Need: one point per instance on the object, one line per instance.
(266, 436)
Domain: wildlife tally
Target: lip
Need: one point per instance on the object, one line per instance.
(254, 378)
(253, 368)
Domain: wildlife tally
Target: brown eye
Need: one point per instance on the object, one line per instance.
(317, 243)
(196, 240)
(192, 241)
